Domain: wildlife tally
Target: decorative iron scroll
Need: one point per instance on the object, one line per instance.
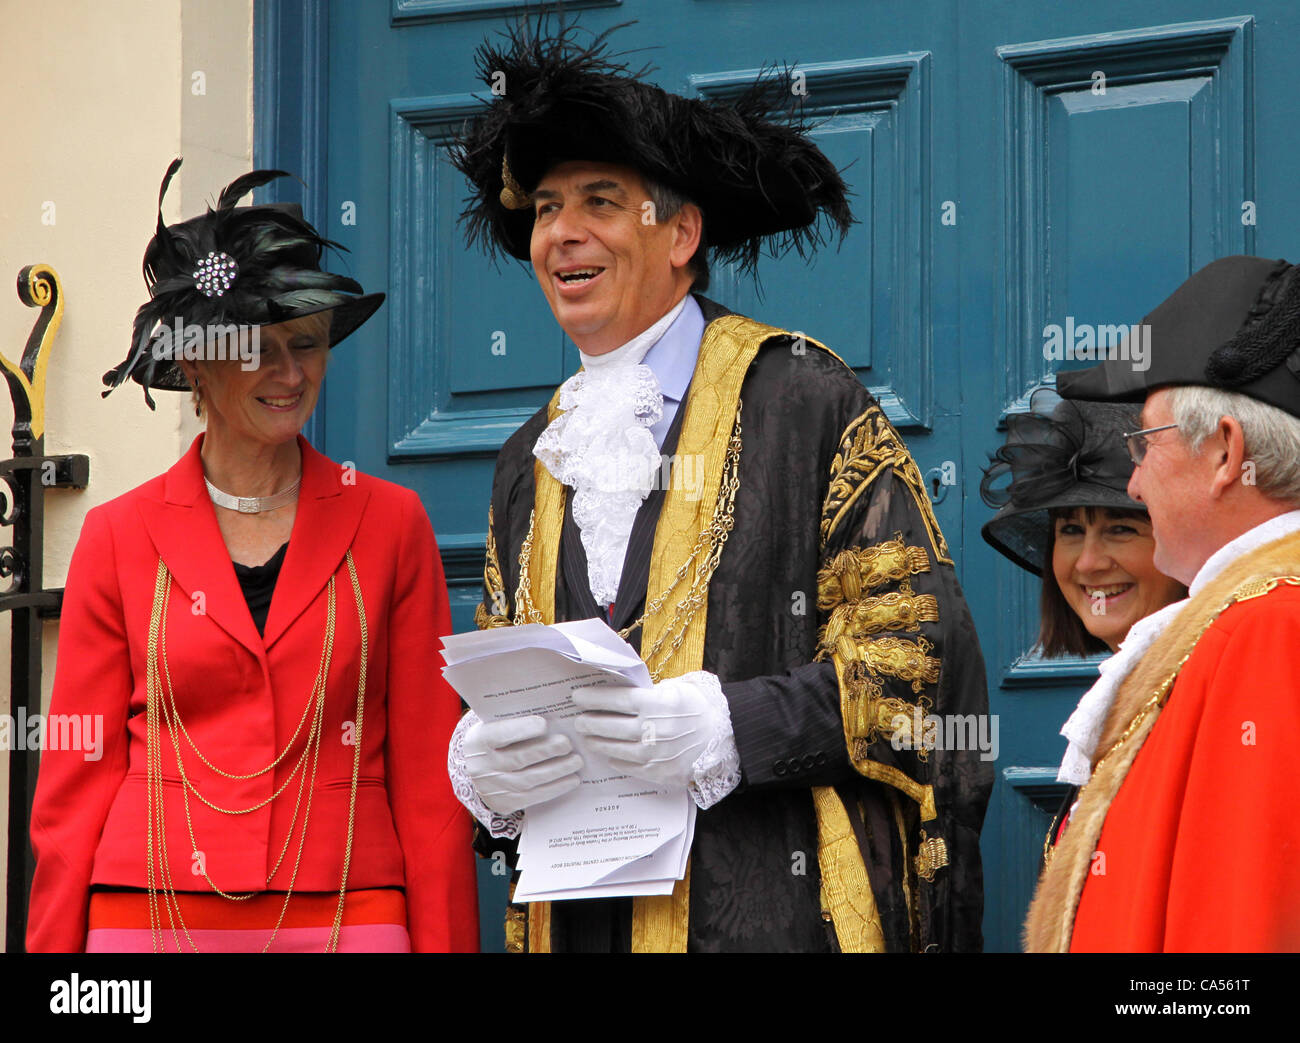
(25, 479)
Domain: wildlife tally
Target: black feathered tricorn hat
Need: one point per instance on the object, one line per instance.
(1234, 325)
(233, 266)
(1059, 454)
(759, 180)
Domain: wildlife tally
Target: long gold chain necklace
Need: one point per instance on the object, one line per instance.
(161, 709)
(707, 551)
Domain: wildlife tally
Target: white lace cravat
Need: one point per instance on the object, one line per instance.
(601, 447)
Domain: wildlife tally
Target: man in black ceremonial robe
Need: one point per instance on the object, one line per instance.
(732, 500)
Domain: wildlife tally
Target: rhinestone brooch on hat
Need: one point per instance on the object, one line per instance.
(215, 274)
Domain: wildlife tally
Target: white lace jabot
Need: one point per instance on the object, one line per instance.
(601, 447)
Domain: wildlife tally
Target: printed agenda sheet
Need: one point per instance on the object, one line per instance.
(614, 835)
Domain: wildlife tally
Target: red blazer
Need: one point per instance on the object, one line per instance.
(241, 696)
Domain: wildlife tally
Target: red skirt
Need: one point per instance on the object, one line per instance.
(374, 920)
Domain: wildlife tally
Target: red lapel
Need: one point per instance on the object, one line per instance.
(183, 526)
(329, 513)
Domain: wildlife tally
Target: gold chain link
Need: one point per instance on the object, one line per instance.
(709, 543)
(356, 755)
(161, 708)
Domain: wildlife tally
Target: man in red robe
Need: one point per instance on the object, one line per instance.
(1185, 838)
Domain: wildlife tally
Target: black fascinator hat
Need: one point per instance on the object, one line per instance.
(758, 179)
(1059, 454)
(235, 266)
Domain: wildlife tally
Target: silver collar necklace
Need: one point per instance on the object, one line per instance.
(252, 504)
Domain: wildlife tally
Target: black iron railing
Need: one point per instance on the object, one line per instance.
(25, 479)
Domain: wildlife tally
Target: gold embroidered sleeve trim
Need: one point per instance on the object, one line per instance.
(868, 713)
(860, 659)
(869, 447)
(895, 656)
(852, 572)
(901, 609)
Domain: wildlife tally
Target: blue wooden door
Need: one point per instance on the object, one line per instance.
(1013, 163)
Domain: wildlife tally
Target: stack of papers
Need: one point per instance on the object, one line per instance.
(614, 835)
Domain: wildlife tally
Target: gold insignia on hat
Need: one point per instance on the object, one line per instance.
(513, 196)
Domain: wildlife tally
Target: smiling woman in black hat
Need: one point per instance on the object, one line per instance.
(1063, 514)
(263, 729)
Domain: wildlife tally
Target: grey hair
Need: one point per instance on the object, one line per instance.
(667, 202)
(1272, 436)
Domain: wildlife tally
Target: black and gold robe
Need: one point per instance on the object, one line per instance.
(810, 575)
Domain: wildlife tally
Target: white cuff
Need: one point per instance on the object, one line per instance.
(716, 772)
(498, 825)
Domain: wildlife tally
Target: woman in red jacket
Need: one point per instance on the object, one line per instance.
(255, 632)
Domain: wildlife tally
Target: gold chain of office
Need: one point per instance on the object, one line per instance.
(707, 552)
(161, 710)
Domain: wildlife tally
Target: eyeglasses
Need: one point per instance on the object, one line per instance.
(1136, 442)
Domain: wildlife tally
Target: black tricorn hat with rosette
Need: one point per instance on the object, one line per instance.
(1072, 455)
(233, 266)
(1233, 325)
(748, 163)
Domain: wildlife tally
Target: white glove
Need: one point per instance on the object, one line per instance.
(664, 733)
(515, 764)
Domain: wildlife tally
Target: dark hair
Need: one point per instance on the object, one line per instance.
(1061, 631)
(667, 202)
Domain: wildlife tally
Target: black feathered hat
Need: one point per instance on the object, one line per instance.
(1234, 325)
(233, 266)
(758, 179)
(1059, 454)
